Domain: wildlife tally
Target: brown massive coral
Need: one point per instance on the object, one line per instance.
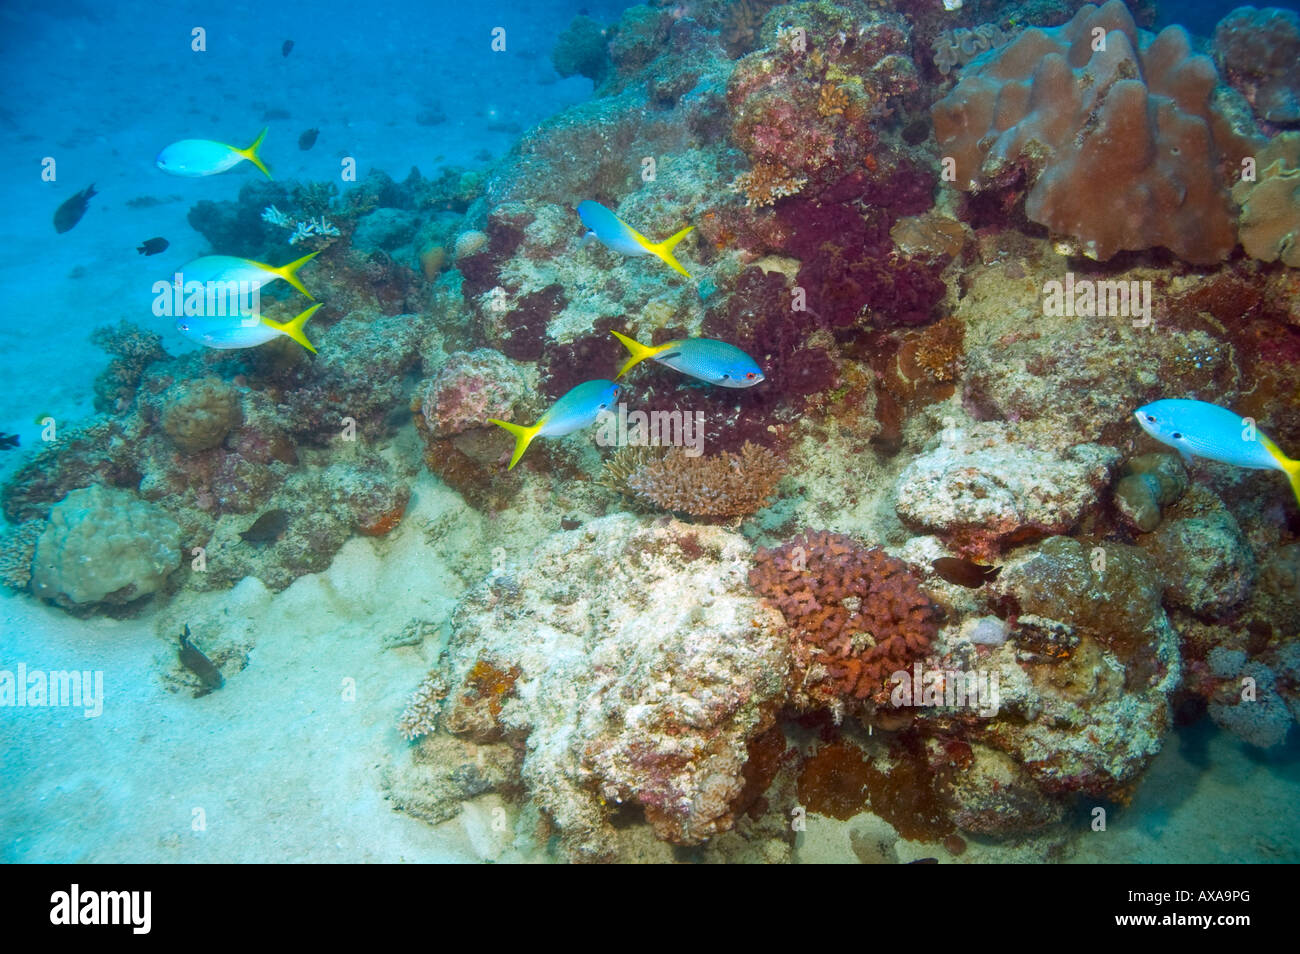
(856, 616)
(1114, 130)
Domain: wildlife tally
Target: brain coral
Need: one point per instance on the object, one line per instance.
(1113, 128)
(1270, 206)
(856, 615)
(104, 546)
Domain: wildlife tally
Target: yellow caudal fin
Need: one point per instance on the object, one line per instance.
(251, 152)
(639, 353)
(290, 272)
(1288, 466)
(293, 328)
(665, 248)
(523, 437)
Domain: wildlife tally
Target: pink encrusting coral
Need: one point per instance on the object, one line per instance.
(1120, 139)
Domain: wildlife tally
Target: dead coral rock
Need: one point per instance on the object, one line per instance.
(981, 488)
(621, 695)
(1270, 205)
(444, 771)
(200, 414)
(856, 616)
(1206, 562)
(1259, 53)
(1053, 104)
(1087, 717)
(469, 388)
(997, 798)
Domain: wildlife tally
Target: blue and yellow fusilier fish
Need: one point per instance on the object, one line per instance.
(228, 268)
(243, 331)
(578, 408)
(614, 233)
(1198, 429)
(705, 358)
(194, 158)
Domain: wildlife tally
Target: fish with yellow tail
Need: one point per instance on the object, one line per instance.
(1200, 429)
(228, 268)
(614, 233)
(706, 359)
(227, 332)
(195, 158)
(578, 408)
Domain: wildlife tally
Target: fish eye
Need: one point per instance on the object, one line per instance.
(726, 377)
(750, 375)
(1176, 436)
(1151, 419)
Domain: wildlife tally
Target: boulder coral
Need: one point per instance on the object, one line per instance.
(104, 546)
(1116, 132)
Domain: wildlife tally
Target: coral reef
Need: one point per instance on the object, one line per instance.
(958, 46)
(668, 727)
(200, 414)
(104, 546)
(1270, 205)
(980, 489)
(717, 485)
(1258, 52)
(1049, 105)
(856, 616)
(582, 50)
(133, 349)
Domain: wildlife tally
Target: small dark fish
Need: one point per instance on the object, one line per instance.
(153, 246)
(286, 48)
(964, 572)
(193, 659)
(267, 528)
(924, 861)
(308, 139)
(70, 212)
(8, 441)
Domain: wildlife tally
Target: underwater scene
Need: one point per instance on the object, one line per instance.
(677, 432)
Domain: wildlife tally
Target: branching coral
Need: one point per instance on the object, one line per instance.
(421, 714)
(856, 615)
(721, 485)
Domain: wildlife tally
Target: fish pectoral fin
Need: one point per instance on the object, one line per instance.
(293, 327)
(523, 437)
(251, 152)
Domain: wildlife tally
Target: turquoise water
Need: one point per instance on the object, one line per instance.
(403, 645)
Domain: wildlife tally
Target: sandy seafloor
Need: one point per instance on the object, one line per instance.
(280, 766)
